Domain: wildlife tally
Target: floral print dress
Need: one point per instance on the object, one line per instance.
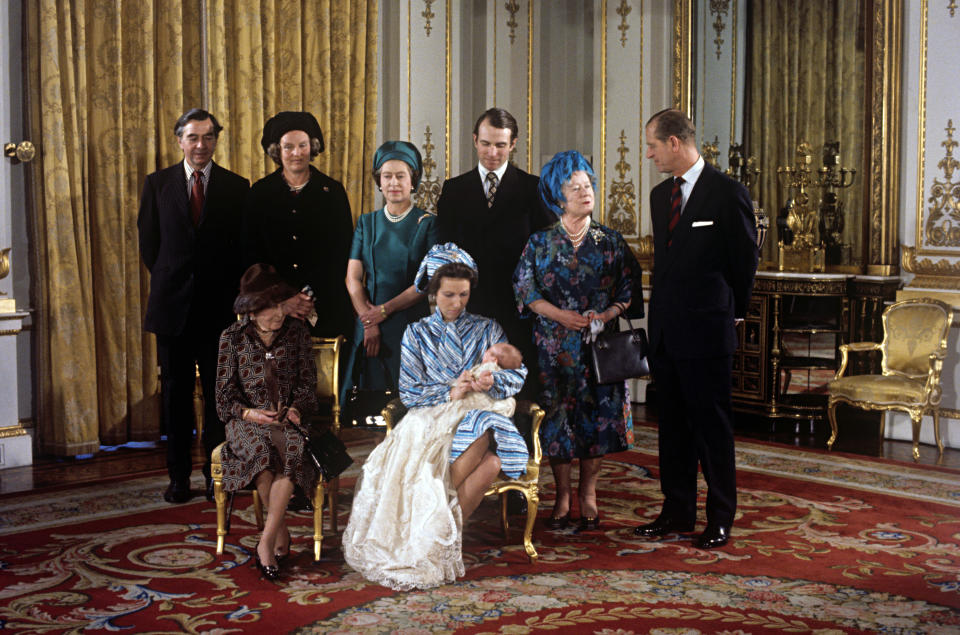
(583, 419)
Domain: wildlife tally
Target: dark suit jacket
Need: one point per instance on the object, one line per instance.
(191, 268)
(494, 236)
(704, 279)
(307, 238)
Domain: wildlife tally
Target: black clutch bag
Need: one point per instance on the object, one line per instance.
(327, 451)
(361, 407)
(619, 356)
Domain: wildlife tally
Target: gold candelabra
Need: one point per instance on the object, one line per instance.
(744, 169)
(711, 151)
(798, 242)
(833, 177)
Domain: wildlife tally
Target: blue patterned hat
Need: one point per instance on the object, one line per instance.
(558, 171)
(438, 256)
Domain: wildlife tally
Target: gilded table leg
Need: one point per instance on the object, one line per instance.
(533, 501)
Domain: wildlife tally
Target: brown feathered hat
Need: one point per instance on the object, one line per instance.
(261, 287)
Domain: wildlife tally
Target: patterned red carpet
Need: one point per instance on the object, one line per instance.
(823, 543)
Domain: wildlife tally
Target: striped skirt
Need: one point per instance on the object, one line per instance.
(511, 448)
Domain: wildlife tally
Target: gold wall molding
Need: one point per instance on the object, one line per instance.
(9, 331)
(12, 431)
(952, 7)
(602, 173)
(943, 216)
(448, 71)
(719, 8)
(623, 196)
(623, 11)
(428, 15)
(941, 274)
(529, 85)
(512, 6)
(428, 192)
(949, 413)
(683, 35)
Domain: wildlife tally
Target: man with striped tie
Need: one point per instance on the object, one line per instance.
(704, 260)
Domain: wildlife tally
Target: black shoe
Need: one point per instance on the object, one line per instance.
(516, 503)
(209, 483)
(269, 571)
(712, 537)
(555, 522)
(299, 502)
(178, 491)
(662, 526)
(589, 523)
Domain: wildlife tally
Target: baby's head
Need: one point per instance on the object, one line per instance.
(505, 355)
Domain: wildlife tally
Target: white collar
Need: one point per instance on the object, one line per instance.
(499, 172)
(205, 170)
(690, 176)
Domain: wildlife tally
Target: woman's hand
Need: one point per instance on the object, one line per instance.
(371, 340)
(293, 415)
(261, 416)
(299, 306)
(483, 383)
(572, 320)
(606, 316)
(372, 316)
(462, 386)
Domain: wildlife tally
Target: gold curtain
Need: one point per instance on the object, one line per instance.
(107, 81)
(319, 56)
(807, 84)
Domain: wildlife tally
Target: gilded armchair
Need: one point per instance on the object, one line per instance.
(913, 349)
(527, 418)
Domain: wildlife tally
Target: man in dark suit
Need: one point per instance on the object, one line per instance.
(490, 212)
(704, 260)
(189, 224)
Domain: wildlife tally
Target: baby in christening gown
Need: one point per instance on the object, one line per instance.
(500, 356)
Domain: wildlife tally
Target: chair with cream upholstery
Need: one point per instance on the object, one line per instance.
(327, 355)
(527, 418)
(913, 348)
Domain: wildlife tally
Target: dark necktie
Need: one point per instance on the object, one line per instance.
(196, 197)
(676, 203)
(492, 182)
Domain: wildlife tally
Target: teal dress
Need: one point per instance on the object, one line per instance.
(390, 253)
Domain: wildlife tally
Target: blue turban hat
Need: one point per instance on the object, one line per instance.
(558, 171)
(401, 151)
(438, 256)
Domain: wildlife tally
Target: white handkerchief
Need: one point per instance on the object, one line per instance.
(702, 223)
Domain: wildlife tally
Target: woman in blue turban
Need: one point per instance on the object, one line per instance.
(573, 278)
(388, 245)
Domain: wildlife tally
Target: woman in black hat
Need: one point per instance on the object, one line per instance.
(388, 245)
(266, 378)
(298, 220)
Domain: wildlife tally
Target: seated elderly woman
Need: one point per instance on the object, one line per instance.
(266, 380)
(429, 475)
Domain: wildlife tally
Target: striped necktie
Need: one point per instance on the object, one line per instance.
(492, 182)
(676, 204)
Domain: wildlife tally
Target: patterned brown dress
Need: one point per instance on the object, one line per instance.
(253, 375)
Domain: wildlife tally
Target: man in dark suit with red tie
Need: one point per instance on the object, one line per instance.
(189, 223)
(704, 260)
(490, 212)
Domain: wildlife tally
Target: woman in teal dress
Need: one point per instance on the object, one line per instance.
(388, 245)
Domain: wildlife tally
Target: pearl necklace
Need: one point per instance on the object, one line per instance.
(577, 238)
(396, 219)
(296, 188)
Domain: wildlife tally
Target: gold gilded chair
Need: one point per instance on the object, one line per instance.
(527, 418)
(913, 348)
(327, 355)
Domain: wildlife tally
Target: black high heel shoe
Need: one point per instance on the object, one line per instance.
(281, 555)
(555, 522)
(269, 571)
(590, 523)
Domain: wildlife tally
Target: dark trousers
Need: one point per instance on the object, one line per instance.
(696, 426)
(178, 355)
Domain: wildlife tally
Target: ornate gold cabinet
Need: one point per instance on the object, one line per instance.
(789, 339)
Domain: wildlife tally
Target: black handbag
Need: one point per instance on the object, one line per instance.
(619, 356)
(326, 450)
(362, 406)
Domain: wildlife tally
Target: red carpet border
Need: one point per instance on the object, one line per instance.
(823, 543)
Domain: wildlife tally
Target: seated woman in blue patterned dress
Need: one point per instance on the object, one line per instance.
(429, 475)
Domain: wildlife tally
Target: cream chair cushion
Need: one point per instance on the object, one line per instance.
(878, 389)
(912, 332)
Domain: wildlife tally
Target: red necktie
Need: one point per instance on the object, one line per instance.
(196, 197)
(676, 203)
